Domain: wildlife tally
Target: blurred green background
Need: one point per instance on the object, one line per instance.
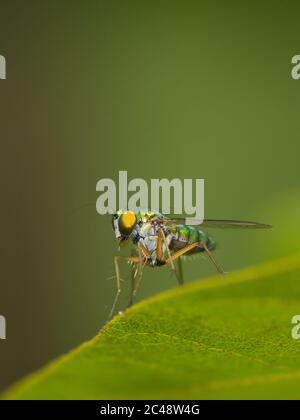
(184, 89)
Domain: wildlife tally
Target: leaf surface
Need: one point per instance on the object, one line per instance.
(226, 338)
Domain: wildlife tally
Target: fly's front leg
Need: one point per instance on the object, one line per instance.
(118, 279)
(137, 272)
(134, 272)
(136, 283)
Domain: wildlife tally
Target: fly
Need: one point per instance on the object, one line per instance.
(159, 240)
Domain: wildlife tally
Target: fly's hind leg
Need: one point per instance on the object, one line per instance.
(180, 270)
(192, 246)
(213, 260)
(118, 278)
(182, 251)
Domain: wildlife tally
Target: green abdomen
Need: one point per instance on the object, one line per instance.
(184, 235)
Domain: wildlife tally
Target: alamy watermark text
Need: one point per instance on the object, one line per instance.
(186, 196)
(296, 69)
(2, 67)
(2, 327)
(296, 328)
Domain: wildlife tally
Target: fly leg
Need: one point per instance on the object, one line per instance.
(180, 271)
(118, 279)
(161, 237)
(181, 252)
(213, 260)
(192, 246)
(134, 272)
(137, 273)
(136, 283)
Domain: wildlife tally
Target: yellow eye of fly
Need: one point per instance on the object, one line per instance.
(127, 222)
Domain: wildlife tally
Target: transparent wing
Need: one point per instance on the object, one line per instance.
(214, 223)
(234, 224)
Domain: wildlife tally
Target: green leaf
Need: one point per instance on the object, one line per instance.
(218, 338)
